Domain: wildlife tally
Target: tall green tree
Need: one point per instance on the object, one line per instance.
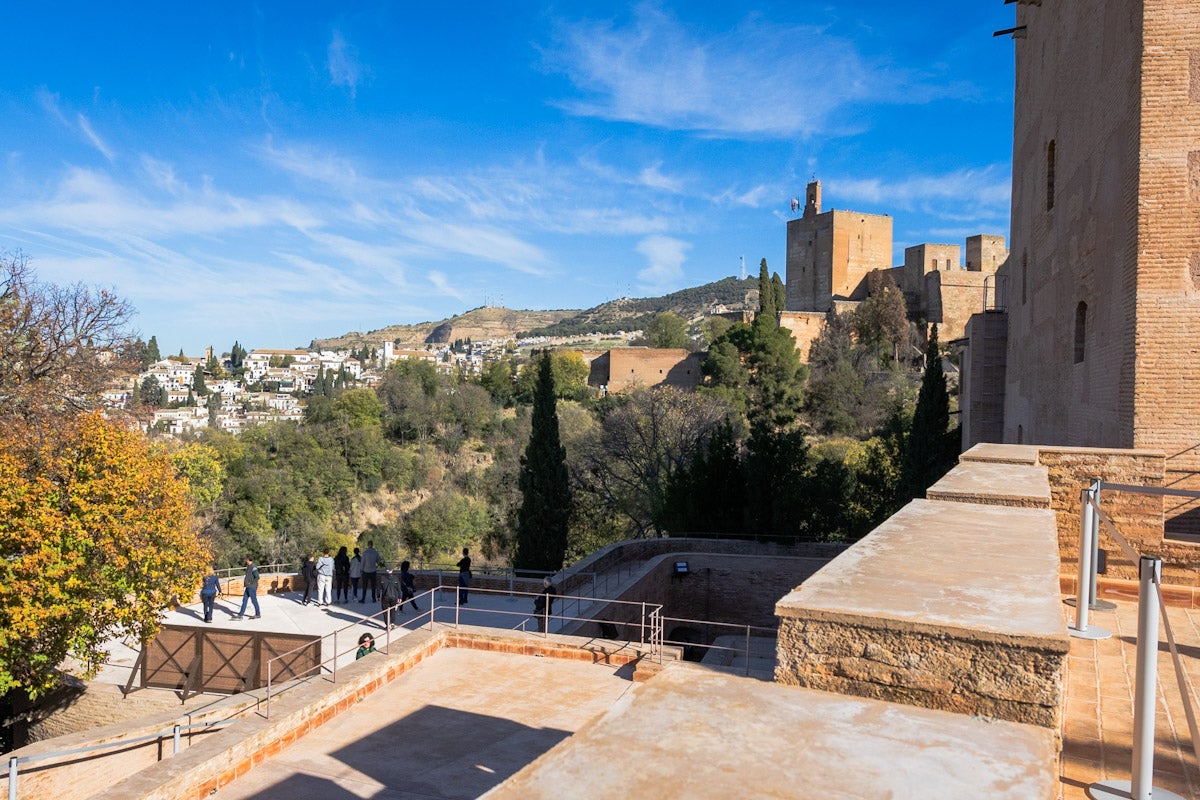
(545, 513)
(928, 454)
(199, 388)
(667, 329)
(768, 300)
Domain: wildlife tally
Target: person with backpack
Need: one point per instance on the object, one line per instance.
(408, 587)
(389, 597)
(250, 590)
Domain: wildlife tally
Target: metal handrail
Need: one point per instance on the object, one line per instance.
(175, 732)
(744, 649)
(649, 622)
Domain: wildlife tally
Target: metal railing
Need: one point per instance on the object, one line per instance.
(748, 633)
(229, 573)
(175, 732)
(646, 618)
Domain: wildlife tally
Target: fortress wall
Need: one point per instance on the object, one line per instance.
(1168, 267)
(631, 367)
(805, 326)
(985, 252)
(1077, 84)
(950, 298)
(830, 255)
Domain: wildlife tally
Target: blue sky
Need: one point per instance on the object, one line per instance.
(277, 172)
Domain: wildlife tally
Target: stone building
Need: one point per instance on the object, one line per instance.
(1096, 344)
(623, 369)
(832, 254)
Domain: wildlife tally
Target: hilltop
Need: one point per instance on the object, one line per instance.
(494, 322)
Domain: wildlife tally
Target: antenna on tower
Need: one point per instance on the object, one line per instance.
(743, 258)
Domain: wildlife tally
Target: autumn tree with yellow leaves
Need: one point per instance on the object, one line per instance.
(96, 531)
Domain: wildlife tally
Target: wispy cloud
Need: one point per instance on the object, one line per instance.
(94, 138)
(344, 67)
(443, 285)
(665, 256)
(757, 80)
(963, 194)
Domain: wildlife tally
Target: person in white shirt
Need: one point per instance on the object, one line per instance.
(324, 578)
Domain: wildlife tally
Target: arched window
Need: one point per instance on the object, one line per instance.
(1080, 330)
(1050, 175)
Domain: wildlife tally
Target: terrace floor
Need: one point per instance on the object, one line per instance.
(1098, 722)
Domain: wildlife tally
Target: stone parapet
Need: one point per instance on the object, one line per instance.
(951, 606)
(994, 483)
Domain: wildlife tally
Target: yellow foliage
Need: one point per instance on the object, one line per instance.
(96, 538)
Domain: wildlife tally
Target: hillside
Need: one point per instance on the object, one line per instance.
(493, 322)
(631, 314)
(488, 322)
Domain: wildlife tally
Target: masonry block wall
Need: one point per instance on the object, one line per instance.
(1104, 275)
(950, 298)
(830, 254)
(631, 367)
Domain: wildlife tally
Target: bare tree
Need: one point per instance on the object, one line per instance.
(59, 345)
(629, 462)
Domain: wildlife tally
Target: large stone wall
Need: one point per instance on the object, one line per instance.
(633, 367)
(950, 298)
(981, 395)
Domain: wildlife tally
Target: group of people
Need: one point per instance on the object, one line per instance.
(343, 577)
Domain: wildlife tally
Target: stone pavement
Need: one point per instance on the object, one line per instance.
(1098, 721)
(461, 723)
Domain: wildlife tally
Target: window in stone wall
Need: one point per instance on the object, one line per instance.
(1024, 273)
(1050, 175)
(1020, 434)
(1080, 330)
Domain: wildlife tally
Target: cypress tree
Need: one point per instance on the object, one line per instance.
(926, 455)
(767, 300)
(545, 491)
(198, 385)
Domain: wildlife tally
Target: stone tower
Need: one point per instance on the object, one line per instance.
(829, 254)
(1103, 277)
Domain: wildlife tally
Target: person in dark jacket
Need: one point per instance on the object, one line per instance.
(208, 593)
(408, 587)
(341, 576)
(543, 604)
(308, 573)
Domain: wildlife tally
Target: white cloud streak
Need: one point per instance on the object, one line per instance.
(344, 67)
(665, 256)
(757, 80)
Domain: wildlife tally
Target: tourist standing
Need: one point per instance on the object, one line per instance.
(408, 587)
(543, 604)
(370, 564)
(464, 576)
(355, 573)
(209, 589)
(341, 575)
(308, 572)
(324, 578)
(250, 590)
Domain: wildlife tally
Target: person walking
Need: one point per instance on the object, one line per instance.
(341, 575)
(389, 597)
(370, 565)
(250, 590)
(355, 573)
(324, 578)
(308, 571)
(464, 576)
(408, 587)
(543, 604)
(209, 589)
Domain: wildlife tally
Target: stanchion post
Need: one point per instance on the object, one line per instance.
(1145, 689)
(1083, 602)
(12, 778)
